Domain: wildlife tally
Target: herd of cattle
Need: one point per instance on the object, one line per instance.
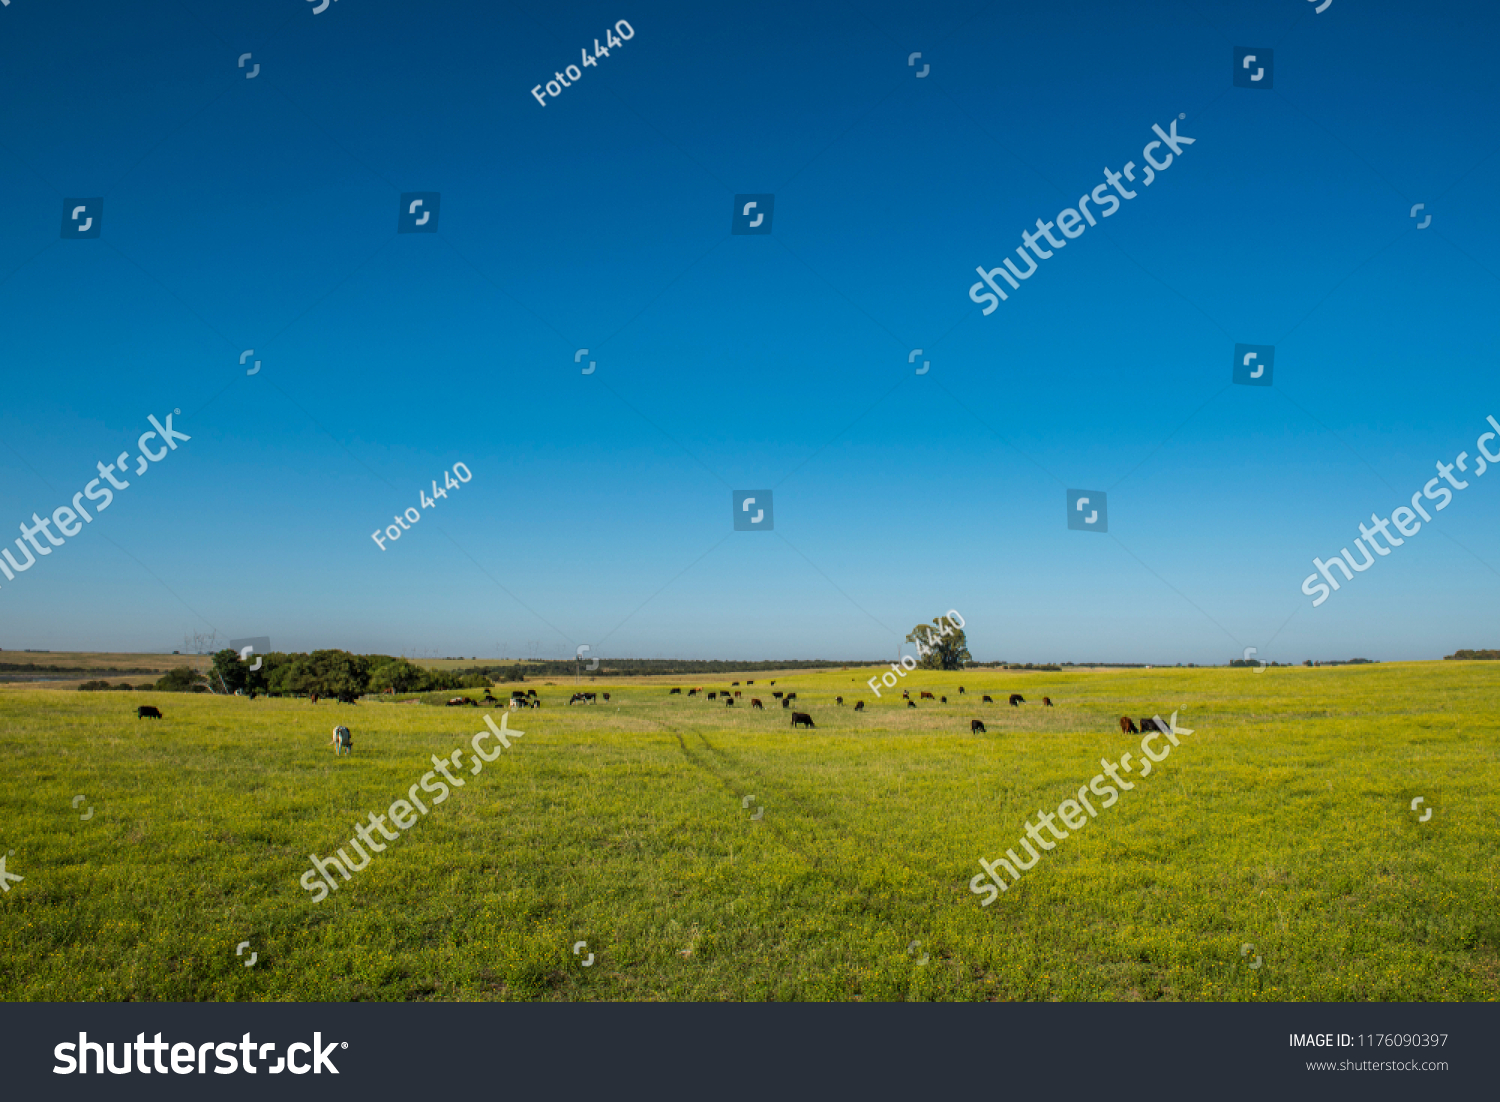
(529, 699)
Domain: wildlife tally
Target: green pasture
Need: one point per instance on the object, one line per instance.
(1280, 831)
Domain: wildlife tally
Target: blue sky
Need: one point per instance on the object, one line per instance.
(261, 214)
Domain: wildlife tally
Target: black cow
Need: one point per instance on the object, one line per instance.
(838, 700)
(757, 705)
(728, 701)
(531, 692)
(859, 705)
(791, 696)
(802, 718)
(606, 696)
(773, 683)
(148, 711)
(1016, 699)
(734, 682)
(986, 700)
(1152, 725)
(778, 695)
(749, 682)
(976, 727)
(517, 694)
(348, 698)
(945, 700)
(1128, 726)
(960, 690)
(786, 702)
(713, 696)
(911, 703)
(692, 692)
(674, 692)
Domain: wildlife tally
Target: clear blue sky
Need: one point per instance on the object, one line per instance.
(261, 213)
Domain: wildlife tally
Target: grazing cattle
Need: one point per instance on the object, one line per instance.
(1152, 725)
(531, 692)
(791, 696)
(1047, 700)
(1128, 726)
(945, 700)
(911, 703)
(838, 700)
(459, 701)
(148, 710)
(927, 696)
(579, 698)
(713, 696)
(1016, 698)
(343, 741)
(905, 694)
(773, 683)
(976, 727)
(314, 698)
(960, 690)
(778, 694)
(728, 701)
(859, 705)
(674, 692)
(606, 696)
(786, 702)
(802, 718)
(986, 700)
(749, 682)
(757, 705)
(692, 692)
(736, 693)
(734, 682)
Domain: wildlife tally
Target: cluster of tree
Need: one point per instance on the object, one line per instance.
(88, 686)
(1335, 662)
(325, 672)
(1238, 663)
(1473, 655)
(940, 647)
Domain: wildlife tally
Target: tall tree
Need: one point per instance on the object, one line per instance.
(940, 647)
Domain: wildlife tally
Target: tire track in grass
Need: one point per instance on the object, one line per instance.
(884, 910)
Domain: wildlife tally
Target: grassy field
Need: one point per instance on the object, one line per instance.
(1282, 823)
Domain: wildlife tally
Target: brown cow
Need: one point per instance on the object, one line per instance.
(802, 718)
(736, 692)
(1128, 726)
(1016, 698)
(754, 703)
(927, 696)
(859, 705)
(905, 694)
(976, 727)
(1047, 700)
